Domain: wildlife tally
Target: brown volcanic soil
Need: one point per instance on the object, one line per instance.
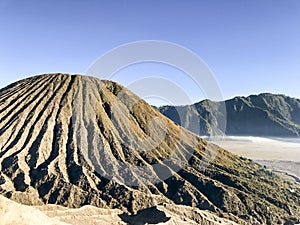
(75, 140)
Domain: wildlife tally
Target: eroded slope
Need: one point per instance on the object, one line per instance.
(75, 140)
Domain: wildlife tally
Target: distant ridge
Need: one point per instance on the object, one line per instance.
(256, 115)
(43, 161)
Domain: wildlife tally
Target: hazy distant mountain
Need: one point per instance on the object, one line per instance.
(76, 140)
(256, 115)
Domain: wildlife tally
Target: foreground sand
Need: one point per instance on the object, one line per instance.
(12, 213)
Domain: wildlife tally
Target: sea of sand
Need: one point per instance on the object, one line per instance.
(279, 154)
(260, 148)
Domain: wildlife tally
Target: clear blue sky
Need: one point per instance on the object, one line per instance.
(251, 46)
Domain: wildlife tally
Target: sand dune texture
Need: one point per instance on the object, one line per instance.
(76, 141)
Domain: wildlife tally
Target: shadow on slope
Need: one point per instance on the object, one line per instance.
(147, 216)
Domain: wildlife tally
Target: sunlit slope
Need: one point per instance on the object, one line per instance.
(76, 140)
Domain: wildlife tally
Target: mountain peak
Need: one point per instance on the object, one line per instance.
(76, 140)
(265, 114)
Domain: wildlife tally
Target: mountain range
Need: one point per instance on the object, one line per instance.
(76, 140)
(257, 115)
